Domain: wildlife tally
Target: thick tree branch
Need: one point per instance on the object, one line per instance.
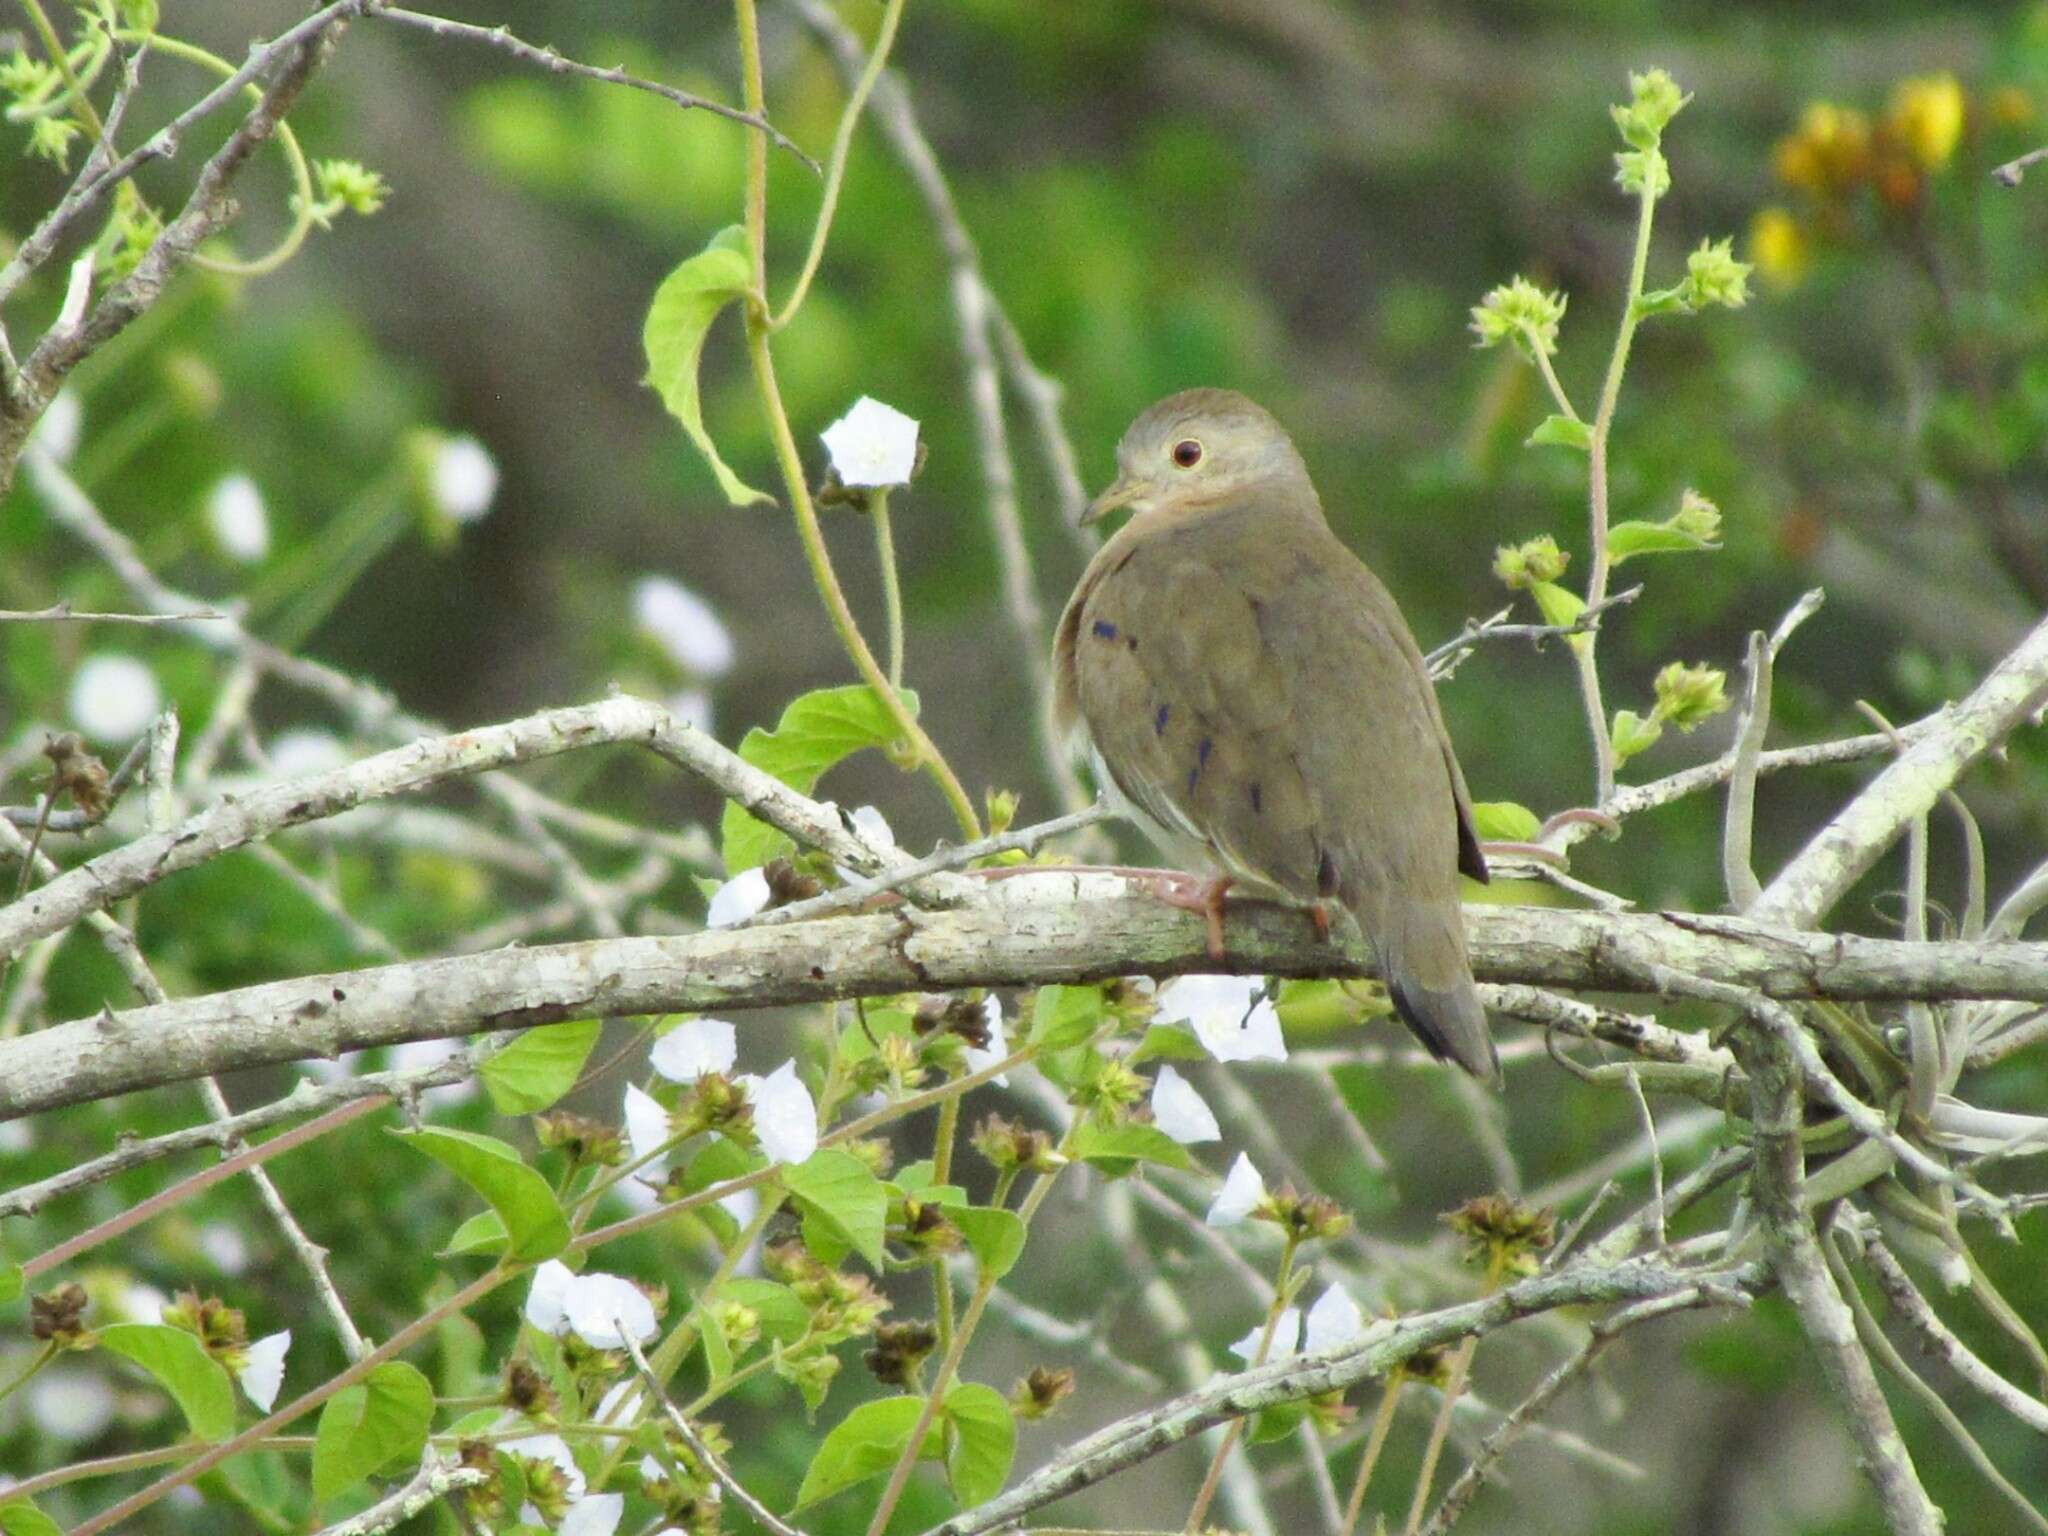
(1822, 872)
(1049, 926)
(1793, 1247)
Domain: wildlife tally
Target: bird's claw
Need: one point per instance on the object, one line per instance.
(1192, 893)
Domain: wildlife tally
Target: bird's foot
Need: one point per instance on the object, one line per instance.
(1193, 893)
(1319, 914)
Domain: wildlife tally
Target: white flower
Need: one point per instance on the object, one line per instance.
(307, 750)
(683, 624)
(545, 1301)
(738, 899)
(1228, 1015)
(981, 1058)
(872, 828)
(240, 523)
(415, 1055)
(114, 697)
(620, 1403)
(606, 1310)
(141, 1303)
(1179, 1111)
(262, 1371)
(1333, 1321)
(58, 432)
(872, 444)
(742, 1205)
(692, 706)
(1243, 1189)
(603, 1310)
(695, 1047)
(785, 1115)
(463, 478)
(16, 1138)
(597, 1515)
(550, 1448)
(69, 1403)
(225, 1246)
(1286, 1340)
(646, 1129)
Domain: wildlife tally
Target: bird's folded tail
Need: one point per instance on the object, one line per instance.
(1430, 982)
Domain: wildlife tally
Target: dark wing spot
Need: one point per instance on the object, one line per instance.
(1104, 630)
(1193, 774)
(1159, 720)
(1326, 873)
(1257, 808)
(1131, 641)
(1202, 751)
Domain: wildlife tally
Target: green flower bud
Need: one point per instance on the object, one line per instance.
(899, 1349)
(1040, 1392)
(1690, 696)
(587, 1141)
(1302, 1217)
(1654, 99)
(1522, 313)
(740, 1324)
(1643, 171)
(1714, 276)
(1002, 810)
(1503, 1233)
(1697, 517)
(1521, 566)
(49, 138)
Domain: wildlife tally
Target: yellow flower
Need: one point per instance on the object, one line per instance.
(1779, 247)
(1828, 154)
(1926, 115)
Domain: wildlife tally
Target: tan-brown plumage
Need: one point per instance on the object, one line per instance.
(1252, 690)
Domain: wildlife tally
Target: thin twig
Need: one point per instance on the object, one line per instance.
(2011, 173)
(709, 1459)
(1443, 660)
(64, 613)
(548, 59)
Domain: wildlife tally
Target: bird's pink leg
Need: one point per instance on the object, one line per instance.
(1190, 893)
(1319, 914)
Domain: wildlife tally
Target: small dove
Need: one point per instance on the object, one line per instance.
(1250, 694)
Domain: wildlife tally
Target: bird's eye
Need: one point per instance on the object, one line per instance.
(1187, 453)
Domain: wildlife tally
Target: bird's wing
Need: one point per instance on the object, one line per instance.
(1265, 691)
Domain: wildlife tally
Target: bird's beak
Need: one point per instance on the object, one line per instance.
(1121, 493)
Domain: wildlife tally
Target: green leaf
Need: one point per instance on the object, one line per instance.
(685, 304)
(1561, 432)
(1115, 1149)
(817, 731)
(717, 1347)
(382, 1418)
(539, 1067)
(865, 1444)
(1633, 733)
(533, 1218)
(20, 1517)
(1560, 605)
(1504, 821)
(846, 1196)
(482, 1233)
(1277, 1422)
(11, 1283)
(1065, 1016)
(1168, 1042)
(984, 1442)
(996, 1236)
(783, 1318)
(1640, 538)
(178, 1361)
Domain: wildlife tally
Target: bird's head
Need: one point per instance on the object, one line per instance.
(1196, 448)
